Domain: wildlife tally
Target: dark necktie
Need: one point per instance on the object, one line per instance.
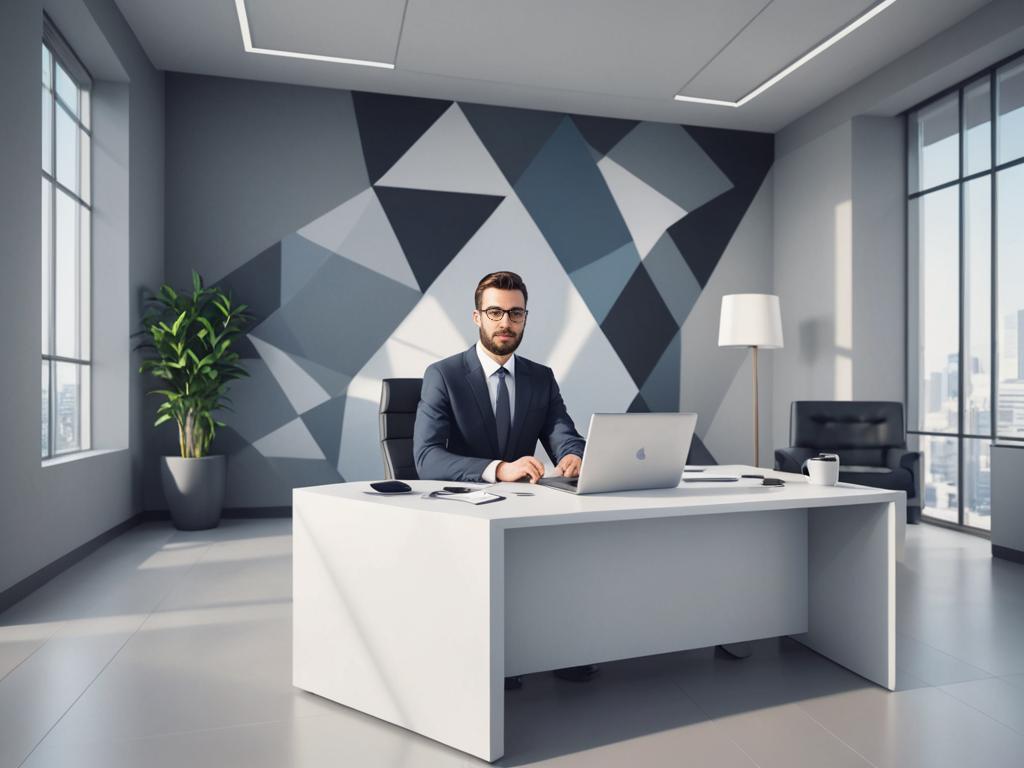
(503, 413)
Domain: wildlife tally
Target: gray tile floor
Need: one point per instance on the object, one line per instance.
(167, 648)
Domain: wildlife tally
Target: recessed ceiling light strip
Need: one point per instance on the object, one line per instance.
(864, 18)
(243, 22)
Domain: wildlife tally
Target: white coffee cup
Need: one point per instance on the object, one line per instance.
(822, 469)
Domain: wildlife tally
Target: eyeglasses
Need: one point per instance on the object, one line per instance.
(516, 315)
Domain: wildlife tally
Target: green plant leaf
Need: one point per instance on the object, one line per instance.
(177, 323)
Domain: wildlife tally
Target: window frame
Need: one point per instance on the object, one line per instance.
(62, 54)
(960, 182)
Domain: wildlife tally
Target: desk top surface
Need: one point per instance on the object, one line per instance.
(548, 506)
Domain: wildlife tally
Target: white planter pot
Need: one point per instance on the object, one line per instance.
(194, 489)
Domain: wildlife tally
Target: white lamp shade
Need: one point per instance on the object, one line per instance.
(750, 320)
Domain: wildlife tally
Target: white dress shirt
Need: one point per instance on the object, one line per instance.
(491, 377)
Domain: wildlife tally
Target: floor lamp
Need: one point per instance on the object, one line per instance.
(751, 320)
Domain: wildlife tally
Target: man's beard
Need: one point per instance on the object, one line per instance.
(501, 348)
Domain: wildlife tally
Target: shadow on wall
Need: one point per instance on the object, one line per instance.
(816, 338)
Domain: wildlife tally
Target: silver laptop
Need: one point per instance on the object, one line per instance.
(631, 452)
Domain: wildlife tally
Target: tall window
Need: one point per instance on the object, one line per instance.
(965, 252)
(66, 227)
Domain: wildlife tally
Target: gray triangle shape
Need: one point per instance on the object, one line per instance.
(324, 423)
(335, 382)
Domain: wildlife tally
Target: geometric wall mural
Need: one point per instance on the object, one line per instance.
(615, 225)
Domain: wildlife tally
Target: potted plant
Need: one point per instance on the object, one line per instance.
(191, 335)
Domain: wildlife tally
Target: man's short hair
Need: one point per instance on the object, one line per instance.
(504, 281)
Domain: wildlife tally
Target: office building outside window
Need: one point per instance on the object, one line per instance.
(65, 256)
(965, 259)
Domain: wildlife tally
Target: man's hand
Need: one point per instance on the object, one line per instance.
(569, 466)
(525, 468)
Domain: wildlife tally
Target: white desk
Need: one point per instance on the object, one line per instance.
(415, 610)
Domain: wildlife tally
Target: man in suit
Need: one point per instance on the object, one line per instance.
(482, 411)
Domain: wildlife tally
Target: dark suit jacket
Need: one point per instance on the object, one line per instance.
(456, 436)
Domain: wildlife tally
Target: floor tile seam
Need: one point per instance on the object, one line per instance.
(80, 695)
(719, 728)
(1017, 686)
(60, 624)
(109, 662)
(966, 703)
(31, 654)
(836, 736)
(177, 583)
(802, 709)
(913, 679)
(190, 731)
(949, 655)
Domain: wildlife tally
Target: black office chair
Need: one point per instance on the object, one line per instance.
(869, 438)
(398, 401)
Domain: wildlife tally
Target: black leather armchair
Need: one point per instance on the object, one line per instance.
(869, 438)
(398, 401)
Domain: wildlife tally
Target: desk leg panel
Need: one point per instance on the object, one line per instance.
(399, 613)
(578, 594)
(852, 588)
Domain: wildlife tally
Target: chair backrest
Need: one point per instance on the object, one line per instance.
(398, 401)
(860, 431)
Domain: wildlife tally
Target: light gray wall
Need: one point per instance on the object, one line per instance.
(49, 511)
(813, 275)
(879, 258)
(839, 268)
(145, 259)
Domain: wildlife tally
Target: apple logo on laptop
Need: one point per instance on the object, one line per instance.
(640, 454)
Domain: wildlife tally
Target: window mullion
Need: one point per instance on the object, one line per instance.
(53, 271)
(994, 261)
(52, 408)
(962, 302)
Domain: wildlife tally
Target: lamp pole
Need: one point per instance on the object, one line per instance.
(751, 320)
(757, 420)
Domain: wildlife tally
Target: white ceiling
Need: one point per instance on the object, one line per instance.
(622, 58)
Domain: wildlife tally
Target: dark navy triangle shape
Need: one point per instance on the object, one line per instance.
(699, 454)
(512, 136)
(744, 156)
(638, 405)
(389, 125)
(603, 133)
(703, 234)
(639, 326)
(433, 226)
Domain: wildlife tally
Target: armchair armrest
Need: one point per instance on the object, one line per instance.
(791, 459)
(901, 458)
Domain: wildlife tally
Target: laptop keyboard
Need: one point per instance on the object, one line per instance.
(560, 480)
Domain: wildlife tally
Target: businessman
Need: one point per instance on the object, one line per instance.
(482, 411)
